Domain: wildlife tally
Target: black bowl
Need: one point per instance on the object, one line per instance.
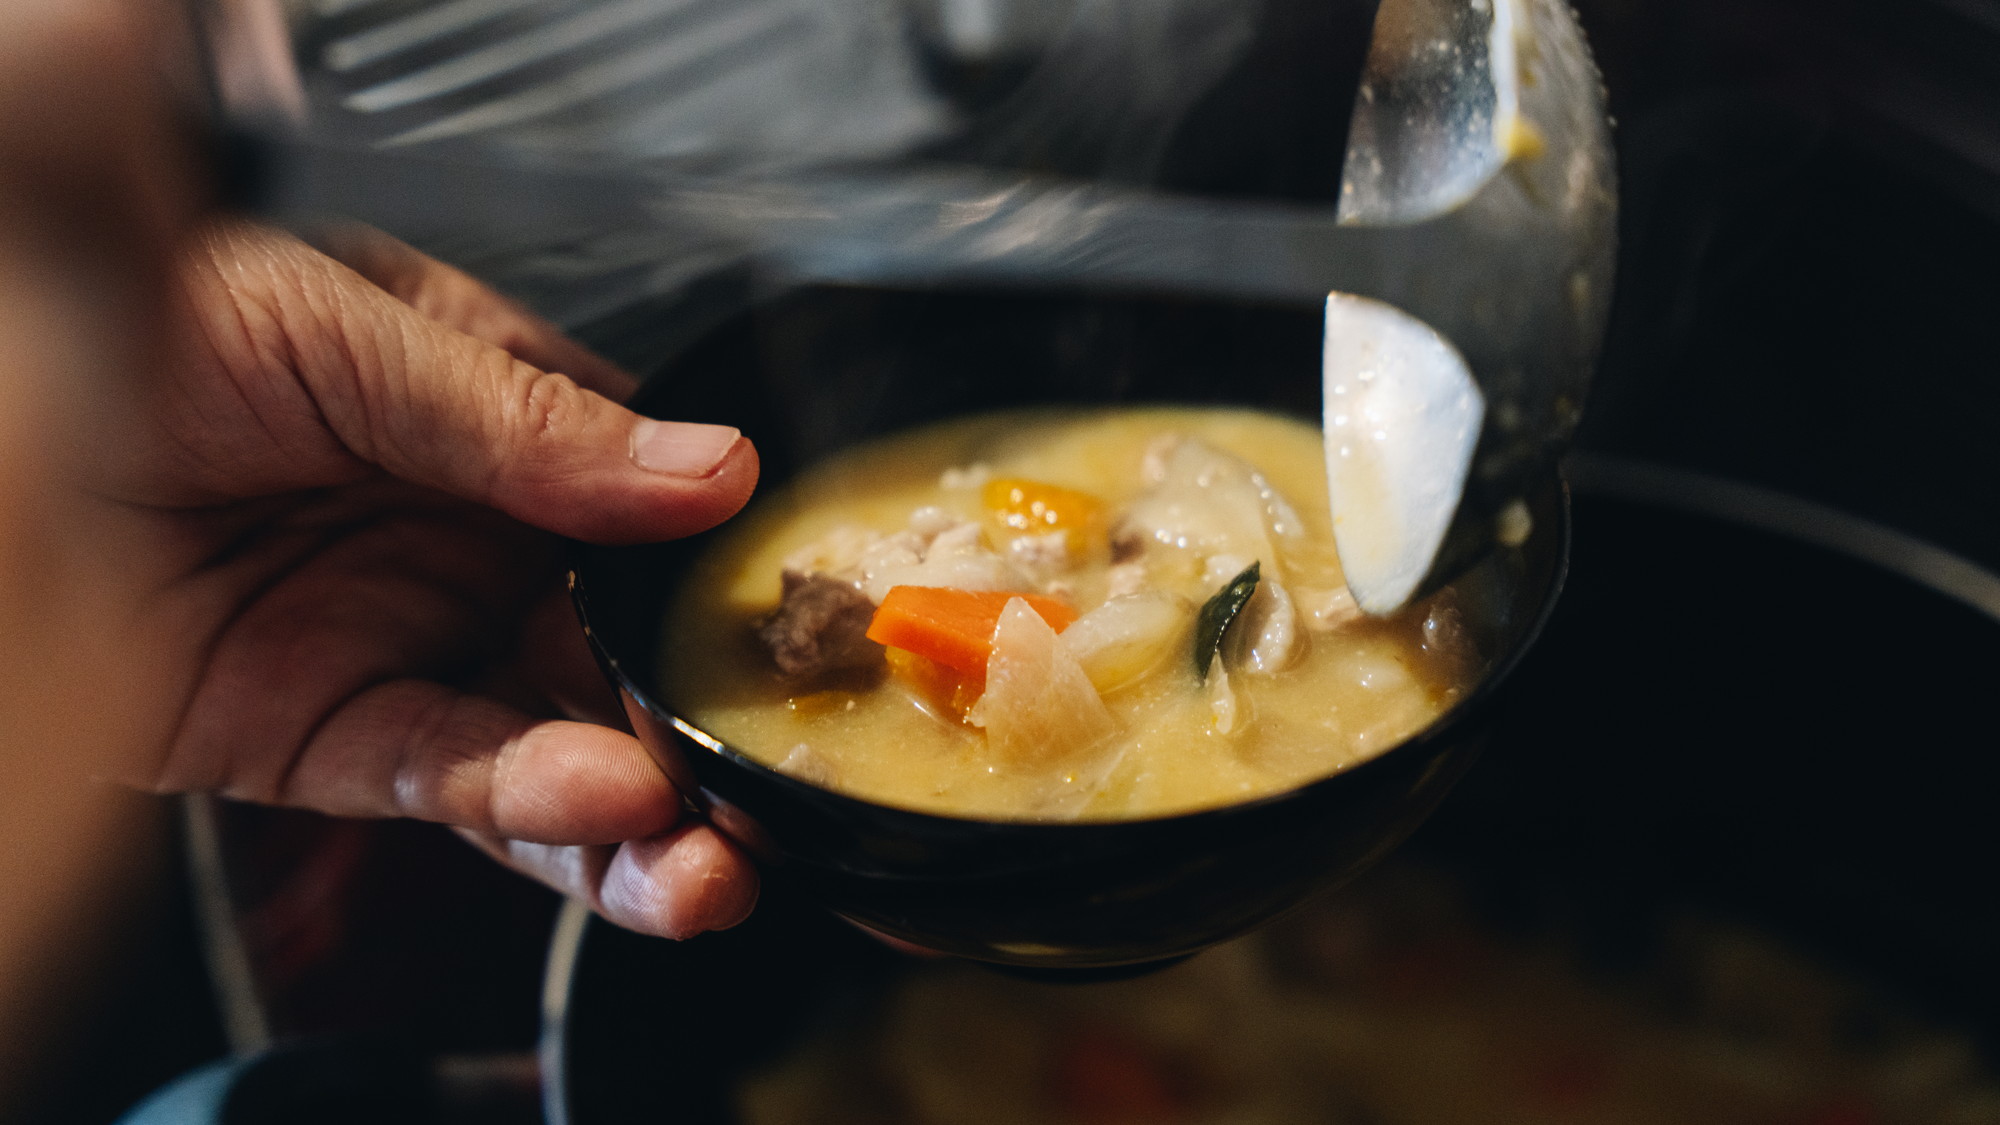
(820, 369)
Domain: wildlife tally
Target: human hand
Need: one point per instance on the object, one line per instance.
(343, 489)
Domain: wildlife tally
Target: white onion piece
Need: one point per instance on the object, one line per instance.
(1125, 638)
(1212, 503)
(1039, 706)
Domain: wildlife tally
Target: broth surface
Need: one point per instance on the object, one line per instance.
(1183, 498)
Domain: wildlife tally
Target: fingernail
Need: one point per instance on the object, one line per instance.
(739, 911)
(681, 449)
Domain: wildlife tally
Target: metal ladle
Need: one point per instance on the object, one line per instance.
(1480, 155)
(1469, 261)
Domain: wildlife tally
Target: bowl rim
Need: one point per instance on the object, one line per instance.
(1480, 697)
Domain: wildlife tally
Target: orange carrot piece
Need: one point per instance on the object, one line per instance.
(953, 627)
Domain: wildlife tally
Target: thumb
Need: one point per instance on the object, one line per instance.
(437, 407)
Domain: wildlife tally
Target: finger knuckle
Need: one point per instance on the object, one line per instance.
(549, 405)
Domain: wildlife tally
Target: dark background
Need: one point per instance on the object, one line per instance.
(1806, 300)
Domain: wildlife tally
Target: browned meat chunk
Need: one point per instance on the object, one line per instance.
(820, 629)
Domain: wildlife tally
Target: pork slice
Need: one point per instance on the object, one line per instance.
(820, 629)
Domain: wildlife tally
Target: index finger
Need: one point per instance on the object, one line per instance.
(457, 300)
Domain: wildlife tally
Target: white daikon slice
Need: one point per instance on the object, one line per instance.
(1039, 706)
(1127, 637)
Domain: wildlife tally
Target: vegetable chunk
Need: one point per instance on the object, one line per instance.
(1039, 705)
(1217, 614)
(953, 627)
(1031, 506)
(1125, 638)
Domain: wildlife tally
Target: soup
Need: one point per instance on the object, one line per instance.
(1056, 615)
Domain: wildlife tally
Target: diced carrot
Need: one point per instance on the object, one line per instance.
(1031, 506)
(953, 627)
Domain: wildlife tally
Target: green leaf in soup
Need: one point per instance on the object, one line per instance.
(1217, 613)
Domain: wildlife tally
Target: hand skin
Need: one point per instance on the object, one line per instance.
(287, 530)
(94, 188)
(345, 485)
(317, 508)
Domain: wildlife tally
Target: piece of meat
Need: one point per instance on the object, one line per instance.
(1042, 557)
(1212, 503)
(809, 765)
(841, 549)
(1270, 629)
(1327, 610)
(820, 629)
(956, 557)
(931, 521)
